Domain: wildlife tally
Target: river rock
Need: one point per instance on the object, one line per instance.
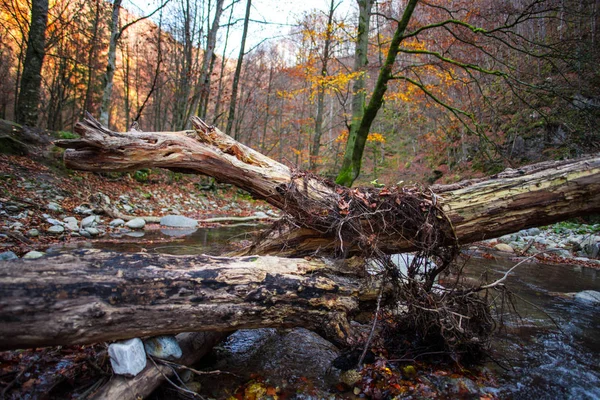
(89, 221)
(71, 223)
(127, 357)
(178, 221)
(92, 231)
(56, 229)
(165, 347)
(33, 255)
(83, 210)
(588, 297)
(117, 222)
(33, 233)
(7, 256)
(84, 233)
(279, 355)
(54, 207)
(53, 221)
(136, 223)
(504, 247)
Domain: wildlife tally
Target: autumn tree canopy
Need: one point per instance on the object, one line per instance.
(410, 90)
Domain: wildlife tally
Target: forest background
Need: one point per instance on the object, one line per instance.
(476, 86)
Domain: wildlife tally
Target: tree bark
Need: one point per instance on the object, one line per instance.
(479, 209)
(31, 81)
(94, 296)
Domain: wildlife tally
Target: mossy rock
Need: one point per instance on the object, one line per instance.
(12, 146)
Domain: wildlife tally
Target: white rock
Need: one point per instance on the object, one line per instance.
(34, 254)
(260, 214)
(588, 297)
(165, 347)
(136, 223)
(127, 357)
(178, 221)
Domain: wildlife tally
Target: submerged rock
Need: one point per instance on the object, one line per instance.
(588, 297)
(127, 357)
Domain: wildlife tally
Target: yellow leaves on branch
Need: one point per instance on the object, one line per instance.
(373, 137)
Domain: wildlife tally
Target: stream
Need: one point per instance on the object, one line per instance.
(551, 350)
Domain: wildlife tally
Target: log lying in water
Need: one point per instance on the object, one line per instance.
(96, 296)
(480, 209)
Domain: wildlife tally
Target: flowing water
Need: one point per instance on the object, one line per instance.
(550, 351)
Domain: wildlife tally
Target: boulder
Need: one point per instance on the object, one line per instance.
(127, 357)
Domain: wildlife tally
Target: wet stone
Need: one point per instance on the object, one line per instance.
(7, 256)
(165, 347)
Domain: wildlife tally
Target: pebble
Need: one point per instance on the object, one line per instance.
(136, 223)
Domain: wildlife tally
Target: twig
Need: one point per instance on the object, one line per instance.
(195, 371)
(499, 281)
(17, 378)
(191, 392)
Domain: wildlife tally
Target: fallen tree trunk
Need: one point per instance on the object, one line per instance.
(479, 209)
(96, 296)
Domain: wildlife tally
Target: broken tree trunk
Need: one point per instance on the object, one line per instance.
(94, 296)
(478, 209)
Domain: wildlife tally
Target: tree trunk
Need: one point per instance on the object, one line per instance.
(238, 72)
(107, 79)
(96, 296)
(479, 209)
(31, 81)
(360, 131)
